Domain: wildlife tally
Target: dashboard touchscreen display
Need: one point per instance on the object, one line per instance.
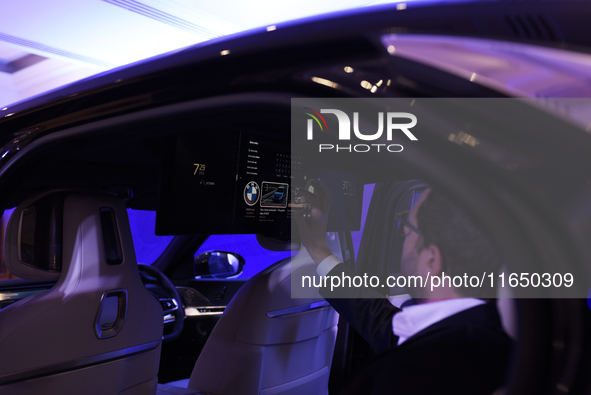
(263, 184)
(196, 187)
(234, 182)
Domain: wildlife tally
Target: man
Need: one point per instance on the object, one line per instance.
(448, 340)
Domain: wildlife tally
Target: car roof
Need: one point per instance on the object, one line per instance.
(311, 40)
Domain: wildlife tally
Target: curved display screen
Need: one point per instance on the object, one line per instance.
(231, 182)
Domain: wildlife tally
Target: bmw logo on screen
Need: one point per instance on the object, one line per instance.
(251, 193)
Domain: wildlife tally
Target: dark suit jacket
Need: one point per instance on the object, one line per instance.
(466, 353)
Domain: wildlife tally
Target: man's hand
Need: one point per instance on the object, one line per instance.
(313, 230)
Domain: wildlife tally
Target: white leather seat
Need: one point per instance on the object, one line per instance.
(266, 342)
(98, 330)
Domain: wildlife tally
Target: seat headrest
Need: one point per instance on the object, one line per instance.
(34, 242)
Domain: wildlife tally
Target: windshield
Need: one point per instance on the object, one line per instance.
(148, 246)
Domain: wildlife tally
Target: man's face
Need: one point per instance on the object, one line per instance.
(413, 260)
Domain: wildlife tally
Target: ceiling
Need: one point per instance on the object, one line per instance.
(46, 44)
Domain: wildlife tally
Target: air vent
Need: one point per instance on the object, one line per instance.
(211, 309)
(534, 27)
(204, 310)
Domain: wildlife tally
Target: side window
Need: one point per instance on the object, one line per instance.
(148, 247)
(381, 245)
(256, 257)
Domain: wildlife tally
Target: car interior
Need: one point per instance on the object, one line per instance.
(222, 334)
(260, 340)
(81, 307)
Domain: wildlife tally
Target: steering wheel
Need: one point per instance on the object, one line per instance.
(171, 305)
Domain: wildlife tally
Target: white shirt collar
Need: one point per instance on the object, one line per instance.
(413, 319)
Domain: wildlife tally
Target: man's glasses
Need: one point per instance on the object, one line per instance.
(405, 227)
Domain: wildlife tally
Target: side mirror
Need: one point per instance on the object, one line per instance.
(218, 264)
